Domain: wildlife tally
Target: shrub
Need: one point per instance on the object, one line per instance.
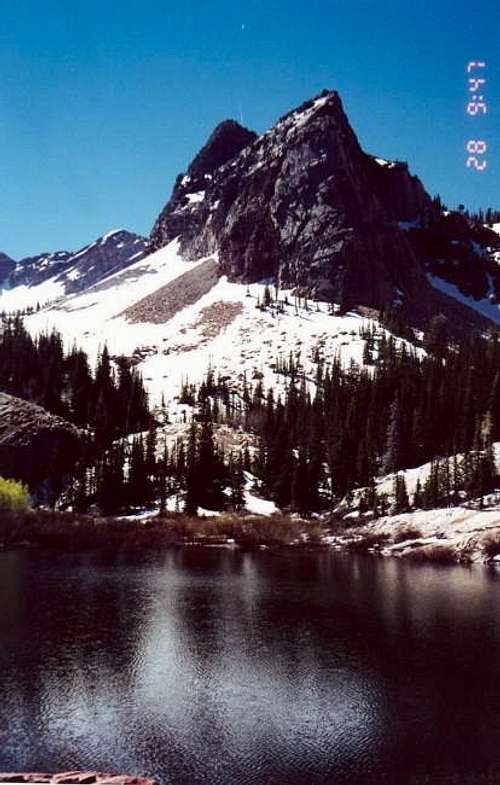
(14, 496)
(407, 533)
(438, 554)
(491, 546)
(371, 541)
(74, 531)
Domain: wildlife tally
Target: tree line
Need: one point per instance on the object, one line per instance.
(142, 472)
(312, 442)
(111, 401)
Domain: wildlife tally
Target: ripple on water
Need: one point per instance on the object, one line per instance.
(220, 667)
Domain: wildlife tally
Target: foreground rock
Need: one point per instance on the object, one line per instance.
(76, 778)
(36, 447)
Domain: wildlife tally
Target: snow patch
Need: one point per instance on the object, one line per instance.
(108, 235)
(196, 197)
(484, 306)
(383, 162)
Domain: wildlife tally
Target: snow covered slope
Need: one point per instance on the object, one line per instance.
(42, 279)
(178, 318)
(386, 484)
(487, 306)
(460, 533)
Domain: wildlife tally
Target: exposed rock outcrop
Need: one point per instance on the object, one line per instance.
(303, 204)
(36, 447)
(162, 305)
(76, 778)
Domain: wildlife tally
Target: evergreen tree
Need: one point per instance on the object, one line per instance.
(110, 490)
(417, 496)
(192, 500)
(237, 484)
(391, 460)
(138, 482)
(162, 471)
(401, 500)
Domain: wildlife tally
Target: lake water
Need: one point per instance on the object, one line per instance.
(214, 666)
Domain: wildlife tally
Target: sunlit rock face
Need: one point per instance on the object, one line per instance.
(304, 205)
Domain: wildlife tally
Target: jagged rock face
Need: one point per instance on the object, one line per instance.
(462, 254)
(303, 204)
(77, 270)
(35, 446)
(228, 139)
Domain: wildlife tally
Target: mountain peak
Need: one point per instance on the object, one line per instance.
(7, 265)
(327, 100)
(305, 205)
(224, 143)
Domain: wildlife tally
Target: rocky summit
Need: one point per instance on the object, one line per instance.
(305, 206)
(48, 276)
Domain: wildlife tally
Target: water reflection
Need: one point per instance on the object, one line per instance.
(218, 666)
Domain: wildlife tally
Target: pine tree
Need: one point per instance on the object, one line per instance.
(238, 484)
(210, 471)
(150, 462)
(162, 470)
(401, 500)
(192, 500)
(138, 485)
(301, 491)
(110, 493)
(417, 496)
(391, 459)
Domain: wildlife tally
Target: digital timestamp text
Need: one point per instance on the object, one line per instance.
(476, 106)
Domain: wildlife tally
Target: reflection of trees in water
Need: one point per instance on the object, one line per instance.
(66, 659)
(431, 672)
(215, 661)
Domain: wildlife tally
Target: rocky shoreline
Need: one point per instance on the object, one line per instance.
(450, 535)
(76, 778)
(454, 535)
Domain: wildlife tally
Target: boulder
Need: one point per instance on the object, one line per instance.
(36, 447)
(75, 778)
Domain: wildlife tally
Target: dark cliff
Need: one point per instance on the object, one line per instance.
(303, 204)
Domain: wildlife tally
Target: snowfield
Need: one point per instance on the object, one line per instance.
(463, 530)
(176, 328)
(223, 329)
(485, 306)
(21, 297)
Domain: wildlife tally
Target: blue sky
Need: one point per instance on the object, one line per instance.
(103, 103)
